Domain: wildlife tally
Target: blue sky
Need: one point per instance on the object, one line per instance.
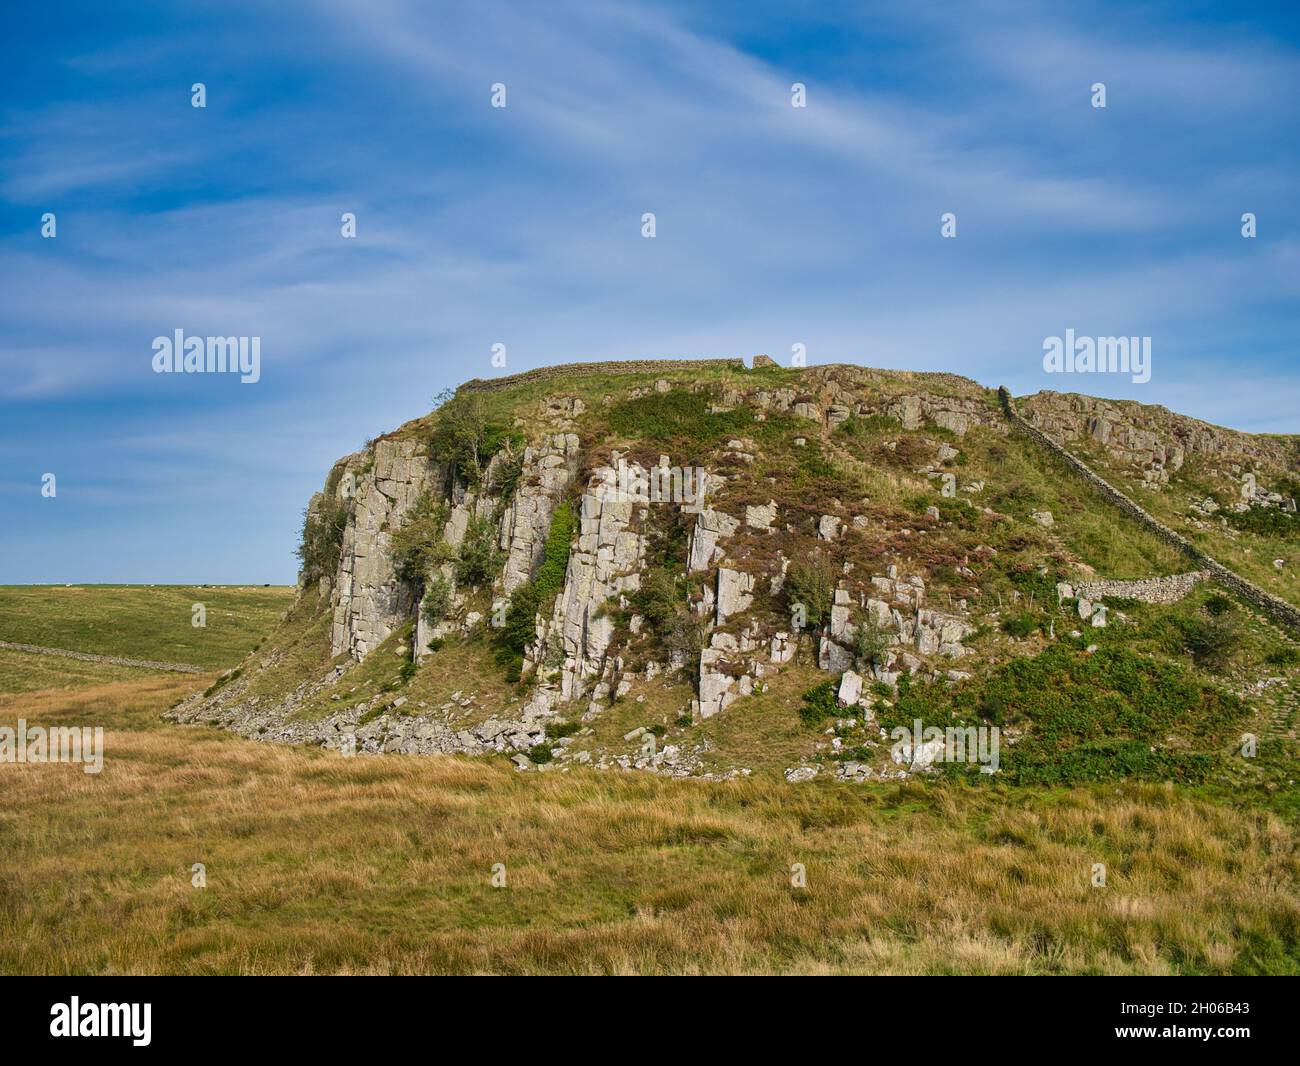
(522, 225)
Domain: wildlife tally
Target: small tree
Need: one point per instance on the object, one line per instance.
(871, 643)
(476, 560)
(811, 583)
(322, 539)
(437, 599)
(460, 434)
(466, 438)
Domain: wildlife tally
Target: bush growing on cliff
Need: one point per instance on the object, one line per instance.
(418, 545)
(322, 539)
(555, 559)
(465, 437)
(477, 557)
(811, 583)
(871, 643)
(436, 601)
(520, 627)
(659, 600)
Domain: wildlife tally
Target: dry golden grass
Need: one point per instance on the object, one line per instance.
(322, 864)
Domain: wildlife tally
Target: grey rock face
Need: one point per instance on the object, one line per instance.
(605, 563)
(711, 526)
(735, 593)
(367, 600)
(547, 472)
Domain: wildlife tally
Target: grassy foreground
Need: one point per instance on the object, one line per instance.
(318, 863)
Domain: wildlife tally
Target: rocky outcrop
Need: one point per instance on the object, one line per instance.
(1146, 437)
(711, 527)
(604, 564)
(1274, 606)
(567, 371)
(735, 593)
(547, 472)
(367, 600)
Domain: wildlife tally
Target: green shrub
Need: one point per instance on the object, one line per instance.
(1217, 603)
(322, 539)
(813, 466)
(1211, 642)
(1283, 655)
(689, 637)
(811, 582)
(520, 628)
(466, 438)
(1021, 625)
(871, 643)
(417, 546)
(540, 753)
(436, 601)
(677, 418)
(476, 561)
(819, 703)
(1266, 522)
(555, 558)
(857, 426)
(506, 479)
(659, 600)
(1113, 701)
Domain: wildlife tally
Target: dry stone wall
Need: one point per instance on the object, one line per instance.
(1162, 590)
(1275, 607)
(572, 370)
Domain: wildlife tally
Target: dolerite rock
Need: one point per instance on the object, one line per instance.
(850, 688)
(547, 472)
(760, 516)
(717, 685)
(368, 601)
(606, 562)
(782, 648)
(711, 526)
(942, 634)
(833, 657)
(735, 593)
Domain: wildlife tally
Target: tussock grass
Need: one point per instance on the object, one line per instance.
(322, 864)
